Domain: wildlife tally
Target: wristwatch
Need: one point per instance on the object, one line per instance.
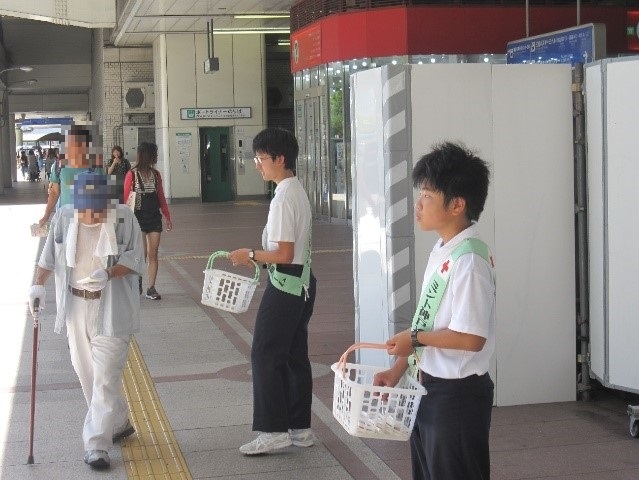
(252, 254)
(413, 337)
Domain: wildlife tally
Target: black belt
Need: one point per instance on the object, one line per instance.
(86, 294)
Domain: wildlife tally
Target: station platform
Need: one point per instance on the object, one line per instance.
(188, 378)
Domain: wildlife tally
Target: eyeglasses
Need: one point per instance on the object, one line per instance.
(260, 160)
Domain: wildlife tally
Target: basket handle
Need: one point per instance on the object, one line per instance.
(223, 253)
(341, 364)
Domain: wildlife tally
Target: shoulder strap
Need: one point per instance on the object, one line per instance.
(138, 180)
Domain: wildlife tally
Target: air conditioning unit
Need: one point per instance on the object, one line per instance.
(138, 97)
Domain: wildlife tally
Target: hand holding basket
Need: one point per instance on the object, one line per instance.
(225, 290)
(365, 410)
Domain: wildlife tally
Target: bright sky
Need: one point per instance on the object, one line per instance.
(19, 251)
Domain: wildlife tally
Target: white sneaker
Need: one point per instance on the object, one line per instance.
(303, 437)
(266, 442)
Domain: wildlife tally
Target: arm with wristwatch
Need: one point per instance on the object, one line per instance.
(404, 344)
(282, 255)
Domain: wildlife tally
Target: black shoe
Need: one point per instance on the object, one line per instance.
(153, 294)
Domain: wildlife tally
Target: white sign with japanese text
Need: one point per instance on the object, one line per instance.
(214, 112)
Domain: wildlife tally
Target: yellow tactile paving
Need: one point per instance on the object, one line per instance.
(152, 452)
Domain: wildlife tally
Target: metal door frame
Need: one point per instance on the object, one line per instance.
(231, 178)
(312, 163)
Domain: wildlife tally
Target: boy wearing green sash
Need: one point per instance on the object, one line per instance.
(452, 336)
(282, 377)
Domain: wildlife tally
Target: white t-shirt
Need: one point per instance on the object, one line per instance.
(289, 219)
(85, 261)
(468, 306)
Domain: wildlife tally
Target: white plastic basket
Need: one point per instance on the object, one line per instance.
(228, 291)
(371, 411)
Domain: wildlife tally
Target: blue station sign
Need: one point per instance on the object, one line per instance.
(581, 44)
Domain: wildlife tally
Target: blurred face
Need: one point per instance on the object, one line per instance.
(116, 153)
(91, 217)
(77, 151)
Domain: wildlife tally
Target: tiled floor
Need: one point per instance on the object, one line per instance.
(198, 359)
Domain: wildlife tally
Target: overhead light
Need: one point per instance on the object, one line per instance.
(283, 42)
(24, 68)
(254, 16)
(249, 31)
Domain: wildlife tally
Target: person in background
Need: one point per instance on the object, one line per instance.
(282, 377)
(452, 336)
(119, 166)
(150, 205)
(80, 152)
(94, 247)
(39, 159)
(33, 166)
(24, 165)
(49, 162)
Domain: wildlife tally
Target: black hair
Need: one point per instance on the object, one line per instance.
(277, 141)
(455, 171)
(90, 133)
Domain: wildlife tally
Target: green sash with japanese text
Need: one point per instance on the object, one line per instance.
(432, 295)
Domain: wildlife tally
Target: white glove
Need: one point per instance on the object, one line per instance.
(97, 281)
(36, 292)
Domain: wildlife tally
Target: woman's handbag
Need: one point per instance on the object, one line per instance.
(130, 202)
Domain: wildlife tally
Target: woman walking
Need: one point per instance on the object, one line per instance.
(150, 205)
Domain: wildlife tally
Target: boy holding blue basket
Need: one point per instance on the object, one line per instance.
(452, 336)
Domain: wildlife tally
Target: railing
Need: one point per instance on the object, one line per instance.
(306, 12)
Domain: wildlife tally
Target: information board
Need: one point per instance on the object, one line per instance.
(214, 112)
(582, 44)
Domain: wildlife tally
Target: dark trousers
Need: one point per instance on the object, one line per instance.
(450, 437)
(282, 377)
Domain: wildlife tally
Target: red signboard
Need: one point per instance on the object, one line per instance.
(473, 29)
(306, 47)
(633, 31)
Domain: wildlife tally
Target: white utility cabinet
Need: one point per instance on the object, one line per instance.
(612, 108)
(519, 119)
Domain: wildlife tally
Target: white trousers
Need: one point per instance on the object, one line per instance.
(99, 362)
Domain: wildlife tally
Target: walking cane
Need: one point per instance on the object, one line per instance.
(34, 368)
